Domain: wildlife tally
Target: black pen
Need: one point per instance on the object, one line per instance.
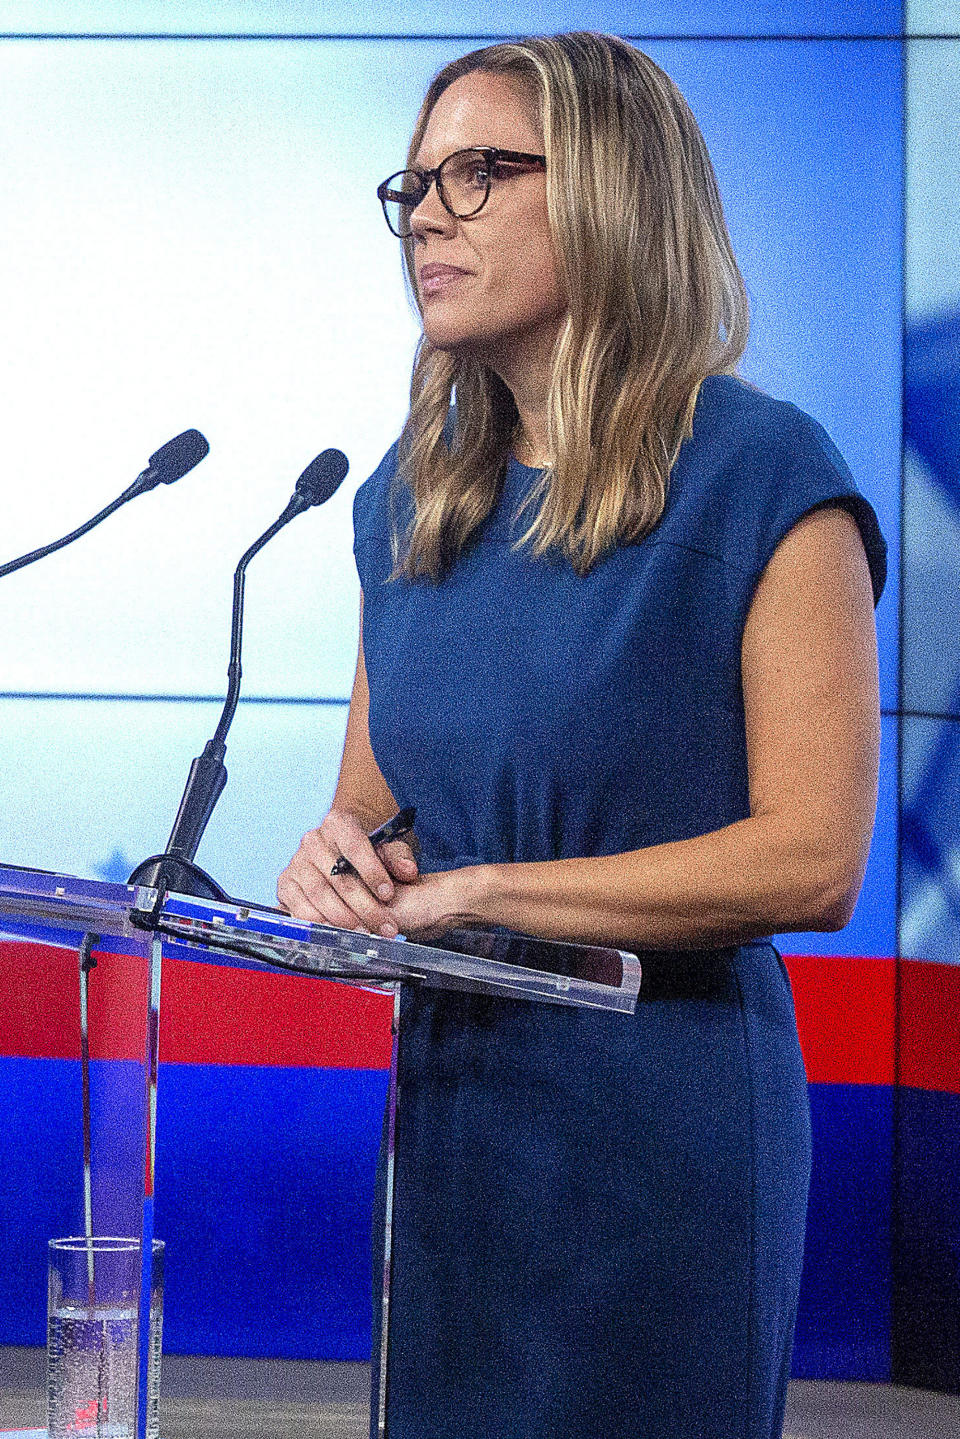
(396, 828)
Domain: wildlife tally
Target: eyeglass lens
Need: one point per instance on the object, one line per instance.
(463, 181)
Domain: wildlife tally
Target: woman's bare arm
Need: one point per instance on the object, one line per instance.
(361, 788)
(362, 801)
(809, 671)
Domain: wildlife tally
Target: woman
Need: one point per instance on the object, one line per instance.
(618, 649)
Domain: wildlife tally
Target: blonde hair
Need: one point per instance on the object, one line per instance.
(656, 302)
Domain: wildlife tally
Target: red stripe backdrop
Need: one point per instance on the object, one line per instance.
(217, 1015)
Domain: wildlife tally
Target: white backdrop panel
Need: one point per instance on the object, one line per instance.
(91, 788)
(192, 238)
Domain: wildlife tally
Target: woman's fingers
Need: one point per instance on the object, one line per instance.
(295, 901)
(308, 889)
(346, 837)
(304, 894)
(399, 859)
(358, 899)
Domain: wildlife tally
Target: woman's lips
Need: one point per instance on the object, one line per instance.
(438, 279)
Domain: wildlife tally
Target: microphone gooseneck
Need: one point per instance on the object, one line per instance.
(321, 479)
(169, 463)
(174, 869)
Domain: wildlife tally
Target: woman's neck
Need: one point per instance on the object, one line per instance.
(531, 443)
(527, 370)
(530, 452)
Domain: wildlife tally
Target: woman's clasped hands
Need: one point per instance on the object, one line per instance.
(386, 895)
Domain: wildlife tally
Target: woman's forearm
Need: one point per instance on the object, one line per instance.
(752, 878)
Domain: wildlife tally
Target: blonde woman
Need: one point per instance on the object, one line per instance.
(618, 650)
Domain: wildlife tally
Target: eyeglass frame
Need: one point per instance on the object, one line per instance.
(491, 153)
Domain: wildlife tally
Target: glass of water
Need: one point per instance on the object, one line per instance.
(93, 1341)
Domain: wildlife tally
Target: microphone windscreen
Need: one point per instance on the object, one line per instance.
(178, 456)
(323, 476)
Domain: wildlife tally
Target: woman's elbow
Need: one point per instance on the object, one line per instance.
(832, 896)
(836, 914)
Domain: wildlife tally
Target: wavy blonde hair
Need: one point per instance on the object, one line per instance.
(656, 302)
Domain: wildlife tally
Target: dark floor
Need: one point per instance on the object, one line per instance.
(207, 1398)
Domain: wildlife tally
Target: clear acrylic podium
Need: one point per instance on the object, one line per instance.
(120, 934)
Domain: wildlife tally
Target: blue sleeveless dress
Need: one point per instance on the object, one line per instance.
(599, 1218)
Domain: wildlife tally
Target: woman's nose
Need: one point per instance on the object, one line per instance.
(431, 215)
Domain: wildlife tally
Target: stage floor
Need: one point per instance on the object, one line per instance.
(206, 1398)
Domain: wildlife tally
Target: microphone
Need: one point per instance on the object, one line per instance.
(322, 477)
(173, 460)
(167, 464)
(175, 869)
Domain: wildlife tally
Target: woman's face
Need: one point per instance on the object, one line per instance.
(488, 285)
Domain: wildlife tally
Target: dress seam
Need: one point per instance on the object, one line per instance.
(751, 1293)
(650, 542)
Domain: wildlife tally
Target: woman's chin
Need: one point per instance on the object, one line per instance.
(447, 327)
(447, 335)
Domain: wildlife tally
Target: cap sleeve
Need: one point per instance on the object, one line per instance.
(372, 522)
(810, 475)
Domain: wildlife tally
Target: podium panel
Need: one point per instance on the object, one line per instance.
(116, 936)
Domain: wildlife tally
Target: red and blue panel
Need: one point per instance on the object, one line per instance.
(271, 1097)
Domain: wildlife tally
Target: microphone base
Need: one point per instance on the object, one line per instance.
(179, 876)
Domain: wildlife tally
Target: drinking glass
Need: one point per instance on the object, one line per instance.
(93, 1340)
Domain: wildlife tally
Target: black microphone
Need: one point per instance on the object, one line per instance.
(322, 477)
(167, 464)
(173, 460)
(175, 869)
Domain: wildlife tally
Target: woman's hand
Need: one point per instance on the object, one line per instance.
(307, 889)
(438, 902)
